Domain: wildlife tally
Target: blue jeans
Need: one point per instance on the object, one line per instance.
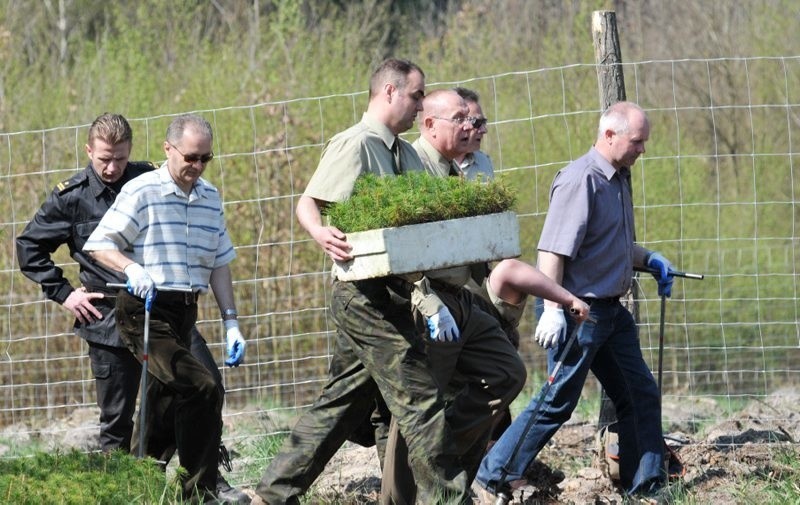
(610, 349)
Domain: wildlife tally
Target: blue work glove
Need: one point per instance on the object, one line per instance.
(234, 343)
(443, 327)
(658, 262)
(139, 282)
(552, 327)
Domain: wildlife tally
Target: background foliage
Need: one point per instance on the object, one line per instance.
(64, 61)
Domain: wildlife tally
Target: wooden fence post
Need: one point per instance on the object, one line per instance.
(611, 85)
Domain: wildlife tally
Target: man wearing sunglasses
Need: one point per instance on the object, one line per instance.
(67, 217)
(166, 229)
(474, 163)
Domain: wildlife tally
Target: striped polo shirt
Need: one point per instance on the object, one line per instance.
(179, 240)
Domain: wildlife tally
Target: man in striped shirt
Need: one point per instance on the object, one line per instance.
(166, 229)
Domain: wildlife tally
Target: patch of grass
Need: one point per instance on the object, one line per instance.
(77, 478)
(385, 202)
(777, 484)
(259, 454)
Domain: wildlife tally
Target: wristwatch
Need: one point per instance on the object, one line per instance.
(229, 314)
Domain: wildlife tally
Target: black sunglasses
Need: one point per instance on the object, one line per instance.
(477, 122)
(194, 158)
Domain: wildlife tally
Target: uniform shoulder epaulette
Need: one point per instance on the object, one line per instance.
(73, 182)
(144, 166)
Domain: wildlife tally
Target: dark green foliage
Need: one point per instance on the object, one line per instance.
(385, 202)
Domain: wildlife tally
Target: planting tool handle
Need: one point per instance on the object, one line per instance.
(159, 288)
(673, 273)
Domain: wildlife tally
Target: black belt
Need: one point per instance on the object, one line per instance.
(601, 301)
(177, 297)
(395, 283)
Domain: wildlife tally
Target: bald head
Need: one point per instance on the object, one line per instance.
(440, 102)
(443, 125)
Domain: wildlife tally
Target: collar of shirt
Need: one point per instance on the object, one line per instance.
(468, 160)
(603, 164)
(95, 183)
(380, 129)
(434, 162)
(169, 187)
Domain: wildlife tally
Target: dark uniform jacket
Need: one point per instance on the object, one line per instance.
(68, 216)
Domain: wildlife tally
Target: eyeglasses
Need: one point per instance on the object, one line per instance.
(477, 122)
(194, 158)
(454, 120)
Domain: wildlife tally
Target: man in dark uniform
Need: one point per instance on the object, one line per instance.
(68, 216)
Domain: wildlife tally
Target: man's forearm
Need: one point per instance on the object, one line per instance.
(222, 286)
(551, 265)
(639, 255)
(308, 213)
(111, 258)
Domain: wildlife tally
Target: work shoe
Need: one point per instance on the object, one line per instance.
(229, 495)
(481, 495)
(484, 496)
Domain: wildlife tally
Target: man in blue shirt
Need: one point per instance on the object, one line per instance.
(587, 246)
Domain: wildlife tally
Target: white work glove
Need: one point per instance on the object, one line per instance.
(552, 327)
(234, 343)
(443, 327)
(139, 282)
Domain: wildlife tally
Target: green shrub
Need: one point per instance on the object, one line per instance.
(385, 202)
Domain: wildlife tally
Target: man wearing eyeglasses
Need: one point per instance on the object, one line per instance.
(445, 130)
(165, 230)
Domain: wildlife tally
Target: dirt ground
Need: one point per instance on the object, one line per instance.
(716, 459)
(717, 455)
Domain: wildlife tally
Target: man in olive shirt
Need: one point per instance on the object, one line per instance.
(380, 343)
(483, 371)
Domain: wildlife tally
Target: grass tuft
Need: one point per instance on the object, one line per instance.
(76, 478)
(386, 202)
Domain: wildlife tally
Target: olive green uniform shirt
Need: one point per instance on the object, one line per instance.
(435, 164)
(367, 147)
(364, 147)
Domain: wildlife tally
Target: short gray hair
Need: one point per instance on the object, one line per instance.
(615, 118)
(188, 121)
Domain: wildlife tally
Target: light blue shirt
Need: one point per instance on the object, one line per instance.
(477, 165)
(178, 239)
